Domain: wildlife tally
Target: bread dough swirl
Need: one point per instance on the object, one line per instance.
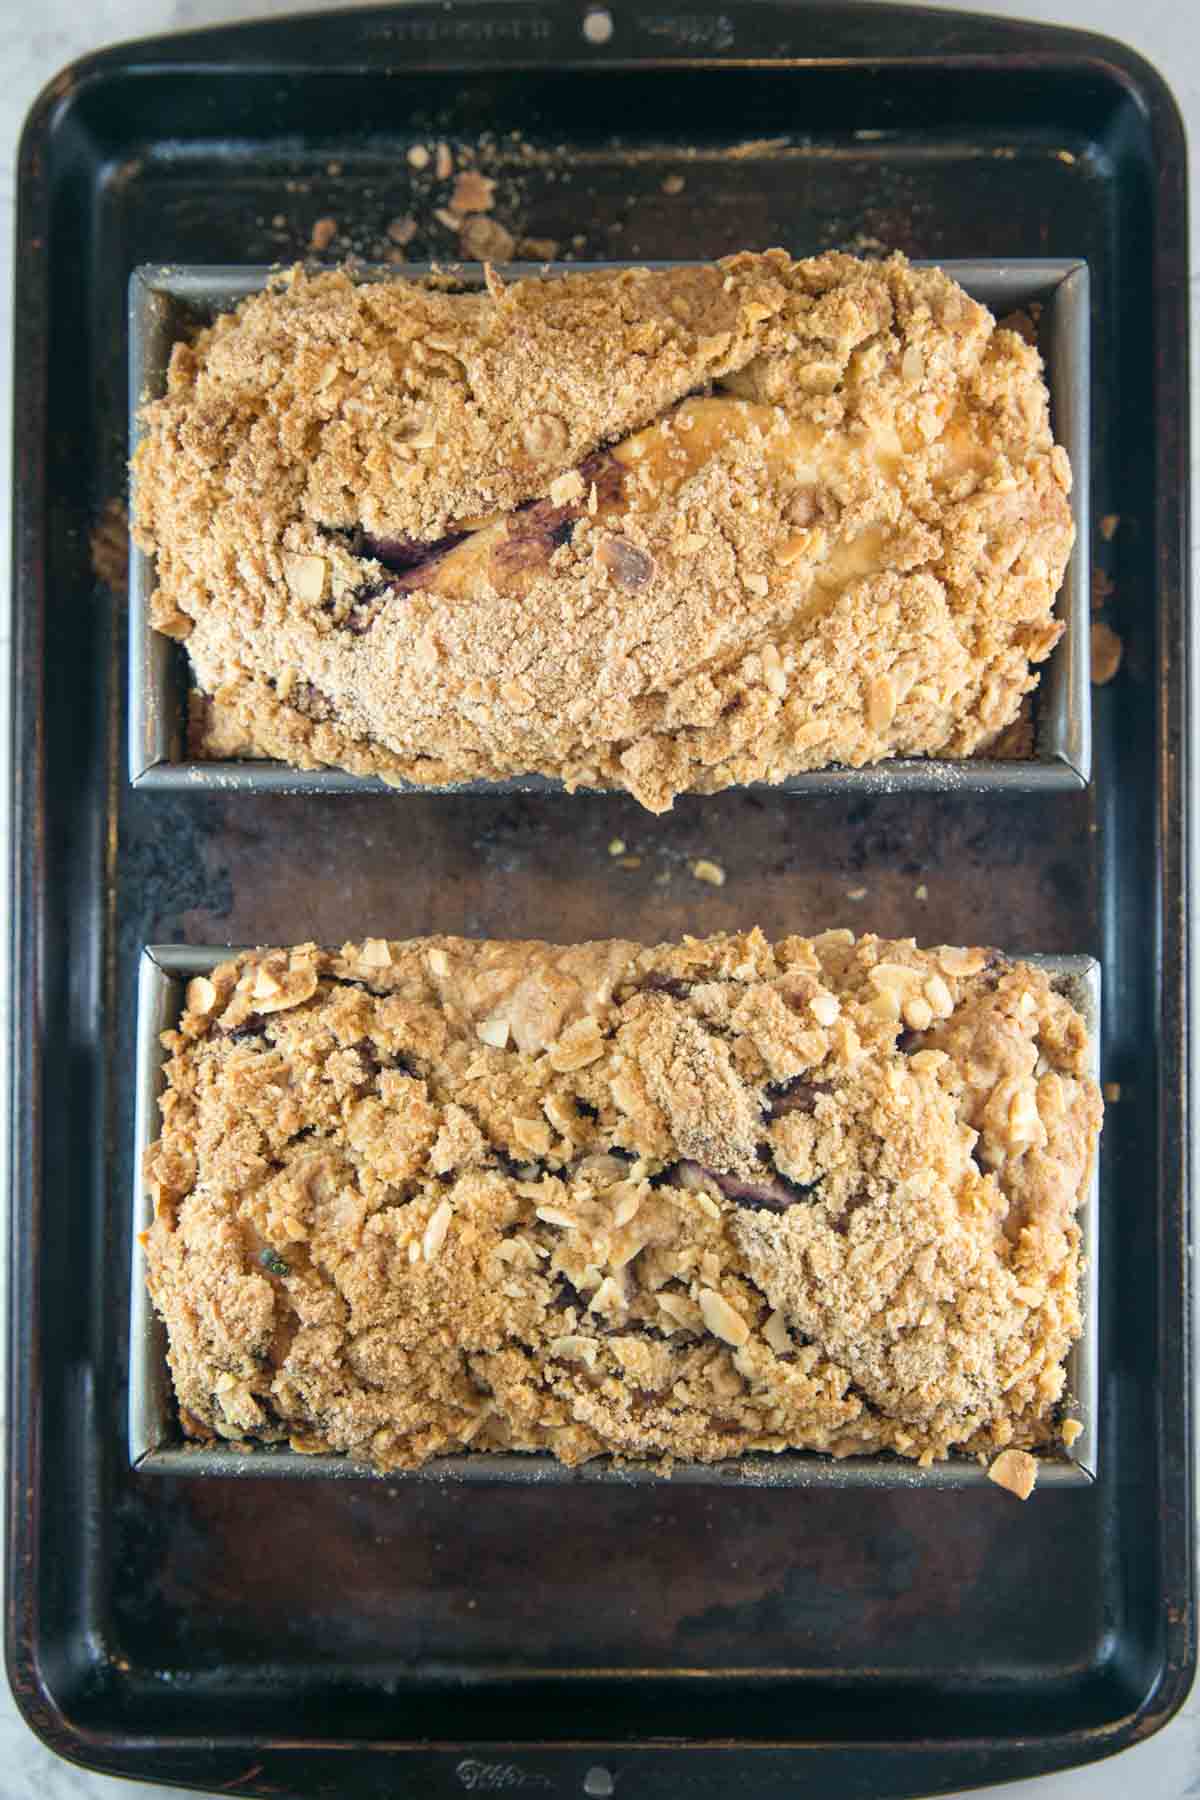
(663, 530)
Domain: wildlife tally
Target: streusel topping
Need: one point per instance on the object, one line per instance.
(660, 530)
(682, 1202)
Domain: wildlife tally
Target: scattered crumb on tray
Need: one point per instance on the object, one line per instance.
(323, 233)
(711, 872)
(1108, 526)
(1103, 588)
(1107, 651)
(473, 193)
(485, 240)
(1016, 1471)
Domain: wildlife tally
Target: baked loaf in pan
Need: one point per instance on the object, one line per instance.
(682, 1202)
(663, 530)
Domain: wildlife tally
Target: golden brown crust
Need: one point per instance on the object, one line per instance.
(834, 525)
(676, 1202)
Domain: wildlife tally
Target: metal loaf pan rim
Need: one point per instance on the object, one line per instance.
(1062, 761)
(155, 1448)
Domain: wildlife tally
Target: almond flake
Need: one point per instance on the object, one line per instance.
(575, 1349)
(825, 1008)
(201, 995)
(568, 487)
(306, 576)
(435, 1232)
(579, 1045)
(721, 1318)
(777, 1335)
(532, 1135)
(957, 961)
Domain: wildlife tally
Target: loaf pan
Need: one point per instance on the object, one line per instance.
(156, 1445)
(166, 302)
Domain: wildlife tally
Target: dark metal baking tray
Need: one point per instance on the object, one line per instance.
(165, 304)
(367, 1639)
(156, 1444)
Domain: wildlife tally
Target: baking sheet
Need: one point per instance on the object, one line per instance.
(361, 1639)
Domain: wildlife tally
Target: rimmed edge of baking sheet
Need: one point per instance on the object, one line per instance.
(155, 1446)
(157, 759)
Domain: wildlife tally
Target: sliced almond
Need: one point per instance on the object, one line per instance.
(306, 576)
(777, 1335)
(201, 995)
(881, 703)
(435, 1231)
(574, 1348)
(825, 1008)
(578, 1046)
(375, 954)
(722, 1319)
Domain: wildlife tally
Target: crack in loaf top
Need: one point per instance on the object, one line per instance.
(663, 530)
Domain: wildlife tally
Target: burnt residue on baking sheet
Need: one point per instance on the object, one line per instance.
(1002, 871)
(317, 1641)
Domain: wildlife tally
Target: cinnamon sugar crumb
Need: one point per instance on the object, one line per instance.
(1109, 525)
(711, 872)
(443, 163)
(323, 233)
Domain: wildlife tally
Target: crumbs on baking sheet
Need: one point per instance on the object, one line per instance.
(1107, 651)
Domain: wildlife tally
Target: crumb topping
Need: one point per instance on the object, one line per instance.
(656, 530)
(681, 1202)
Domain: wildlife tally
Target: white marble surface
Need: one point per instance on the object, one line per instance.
(35, 42)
